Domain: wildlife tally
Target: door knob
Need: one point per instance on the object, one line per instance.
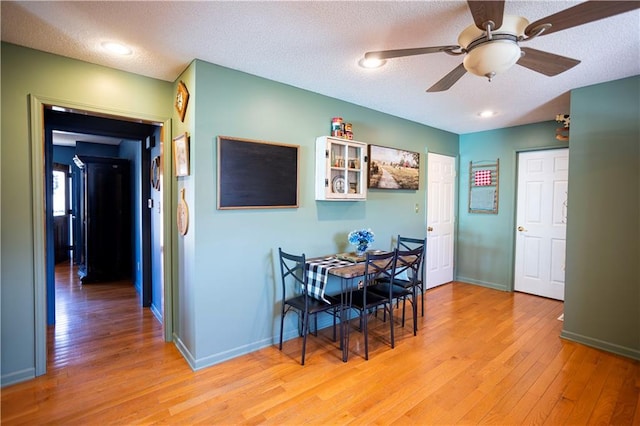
(521, 229)
(429, 229)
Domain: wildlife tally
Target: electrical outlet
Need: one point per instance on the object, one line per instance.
(417, 208)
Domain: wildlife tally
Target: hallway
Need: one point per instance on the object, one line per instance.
(96, 321)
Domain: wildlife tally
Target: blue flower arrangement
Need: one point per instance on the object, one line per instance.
(361, 239)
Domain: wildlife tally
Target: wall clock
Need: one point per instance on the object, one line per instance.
(182, 98)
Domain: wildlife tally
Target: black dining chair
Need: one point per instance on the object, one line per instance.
(408, 243)
(379, 266)
(404, 284)
(296, 298)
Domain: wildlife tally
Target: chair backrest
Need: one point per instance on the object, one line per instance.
(408, 243)
(293, 272)
(409, 264)
(380, 266)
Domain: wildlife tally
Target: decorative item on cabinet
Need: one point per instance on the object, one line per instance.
(336, 127)
(340, 129)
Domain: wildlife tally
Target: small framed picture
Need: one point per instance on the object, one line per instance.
(181, 154)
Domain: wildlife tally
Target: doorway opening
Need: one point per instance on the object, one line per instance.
(41, 163)
(115, 243)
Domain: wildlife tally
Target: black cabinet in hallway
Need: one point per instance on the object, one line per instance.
(105, 215)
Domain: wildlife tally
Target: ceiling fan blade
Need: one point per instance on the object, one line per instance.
(484, 11)
(448, 80)
(580, 14)
(545, 63)
(388, 54)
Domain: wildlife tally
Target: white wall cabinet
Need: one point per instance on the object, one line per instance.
(341, 169)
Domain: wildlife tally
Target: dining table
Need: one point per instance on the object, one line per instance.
(347, 267)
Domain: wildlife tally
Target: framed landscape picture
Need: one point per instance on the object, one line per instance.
(392, 168)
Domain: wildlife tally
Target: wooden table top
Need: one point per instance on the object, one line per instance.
(350, 271)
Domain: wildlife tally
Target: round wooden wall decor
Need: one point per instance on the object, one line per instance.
(183, 214)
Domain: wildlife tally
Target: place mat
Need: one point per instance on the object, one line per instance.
(317, 274)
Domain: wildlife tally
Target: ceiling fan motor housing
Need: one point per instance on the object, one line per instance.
(491, 53)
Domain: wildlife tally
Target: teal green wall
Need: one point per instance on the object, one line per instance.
(486, 242)
(24, 72)
(229, 261)
(602, 305)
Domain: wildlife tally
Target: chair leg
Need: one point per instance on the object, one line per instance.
(415, 316)
(281, 325)
(365, 332)
(300, 323)
(422, 296)
(305, 332)
(404, 305)
(334, 324)
(315, 321)
(393, 345)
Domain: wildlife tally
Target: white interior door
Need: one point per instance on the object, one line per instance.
(441, 171)
(541, 222)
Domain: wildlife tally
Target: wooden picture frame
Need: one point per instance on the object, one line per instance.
(181, 154)
(256, 174)
(182, 100)
(393, 168)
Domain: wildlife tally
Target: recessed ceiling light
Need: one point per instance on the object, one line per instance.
(371, 63)
(487, 114)
(117, 48)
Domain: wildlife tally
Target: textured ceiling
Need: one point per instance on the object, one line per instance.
(316, 45)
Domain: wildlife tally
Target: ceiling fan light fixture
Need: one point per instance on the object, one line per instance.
(371, 63)
(492, 53)
(492, 58)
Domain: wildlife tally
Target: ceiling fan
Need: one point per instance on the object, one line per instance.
(491, 44)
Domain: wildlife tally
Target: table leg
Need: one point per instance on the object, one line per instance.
(345, 317)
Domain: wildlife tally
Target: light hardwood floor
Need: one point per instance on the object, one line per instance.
(481, 357)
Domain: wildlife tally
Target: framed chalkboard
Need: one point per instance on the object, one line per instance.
(256, 174)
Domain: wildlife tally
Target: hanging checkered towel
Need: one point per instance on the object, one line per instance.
(317, 274)
(482, 177)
